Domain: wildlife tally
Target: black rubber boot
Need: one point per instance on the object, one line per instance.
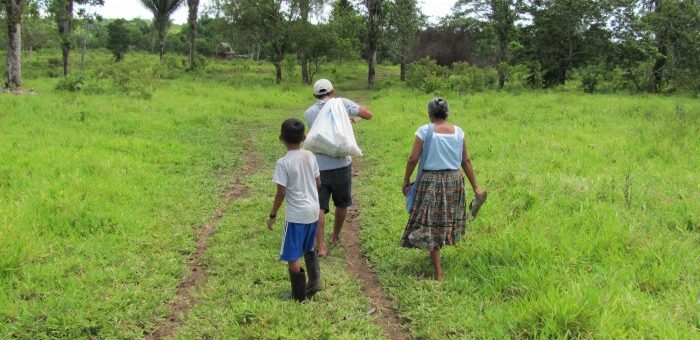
(298, 281)
(314, 272)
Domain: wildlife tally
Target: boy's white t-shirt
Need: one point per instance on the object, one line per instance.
(297, 171)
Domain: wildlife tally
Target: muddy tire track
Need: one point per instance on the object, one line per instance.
(358, 266)
(196, 273)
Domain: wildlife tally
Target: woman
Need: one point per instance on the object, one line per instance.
(438, 216)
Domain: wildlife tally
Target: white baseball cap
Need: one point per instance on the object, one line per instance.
(322, 87)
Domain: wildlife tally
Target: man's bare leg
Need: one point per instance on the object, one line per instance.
(320, 242)
(340, 215)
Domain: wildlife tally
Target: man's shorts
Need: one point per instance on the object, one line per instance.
(336, 183)
(297, 239)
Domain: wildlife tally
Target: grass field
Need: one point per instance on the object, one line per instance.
(591, 230)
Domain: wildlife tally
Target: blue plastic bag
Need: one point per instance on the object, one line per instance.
(413, 187)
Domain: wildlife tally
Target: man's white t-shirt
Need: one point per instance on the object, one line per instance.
(297, 171)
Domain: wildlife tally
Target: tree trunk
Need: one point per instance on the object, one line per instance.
(502, 17)
(372, 66)
(279, 56)
(502, 55)
(374, 15)
(65, 49)
(14, 43)
(304, 68)
(193, 6)
(162, 31)
(83, 56)
(662, 48)
(403, 69)
(162, 49)
(64, 29)
(278, 73)
(501, 76)
(304, 9)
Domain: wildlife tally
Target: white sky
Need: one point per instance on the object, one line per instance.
(129, 9)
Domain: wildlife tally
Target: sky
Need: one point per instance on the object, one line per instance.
(129, 9)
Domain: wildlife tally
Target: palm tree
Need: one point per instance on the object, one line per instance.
(193, 6)
(162, 10)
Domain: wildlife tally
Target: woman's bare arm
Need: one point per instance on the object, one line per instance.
(413, 160)
(469, 169)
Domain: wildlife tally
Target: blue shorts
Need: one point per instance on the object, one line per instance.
(297, 239)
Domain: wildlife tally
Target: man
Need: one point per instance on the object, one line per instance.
(336, 172)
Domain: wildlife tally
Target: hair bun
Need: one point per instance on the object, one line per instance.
(438, 107)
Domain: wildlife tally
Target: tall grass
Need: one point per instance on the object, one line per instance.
(591, 228)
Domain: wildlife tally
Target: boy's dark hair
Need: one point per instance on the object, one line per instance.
(293, 131)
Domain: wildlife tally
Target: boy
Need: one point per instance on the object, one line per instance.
(297, 179)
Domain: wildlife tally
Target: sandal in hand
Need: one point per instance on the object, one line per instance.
(475, 205)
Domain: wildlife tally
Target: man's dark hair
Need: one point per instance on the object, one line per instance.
(323, 95)
(293, 131)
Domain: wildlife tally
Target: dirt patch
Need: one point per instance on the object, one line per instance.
(18, 91)
(359, 267)
(196, 273)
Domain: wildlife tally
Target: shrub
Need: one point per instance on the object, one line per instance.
(201, 62)
(72, 83)
(126, 81)
(590, 76)
(54, 62)
(426, 75)
(171, 68)
(289, 67)
(468, 78)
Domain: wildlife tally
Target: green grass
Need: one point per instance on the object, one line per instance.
(591, 228)
(100, 194)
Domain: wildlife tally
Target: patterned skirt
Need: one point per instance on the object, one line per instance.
(439, 215)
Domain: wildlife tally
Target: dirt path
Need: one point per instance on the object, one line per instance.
(359, 267)
(183, 301)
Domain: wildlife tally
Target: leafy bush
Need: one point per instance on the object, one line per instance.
(72, 83)
(426, 75)
(171, 68)
(54, 62)
(590, 76)
(127, 81)
(468, 78)
(201, 62)
(289, 67)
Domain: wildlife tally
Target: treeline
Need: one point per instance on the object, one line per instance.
(615, 45)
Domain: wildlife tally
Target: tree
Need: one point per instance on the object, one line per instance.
(193, 8)
(63, 13)
(88, 20)
(502, 14)
(304, 37)
(162, 11)
(347, 27)
(674, 27)
(564, 35)
(119, 40)
(14, 10)
(374, 22)
(404, 25)
(270, 21)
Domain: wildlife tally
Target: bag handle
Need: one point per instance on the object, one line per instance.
(426, 148)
